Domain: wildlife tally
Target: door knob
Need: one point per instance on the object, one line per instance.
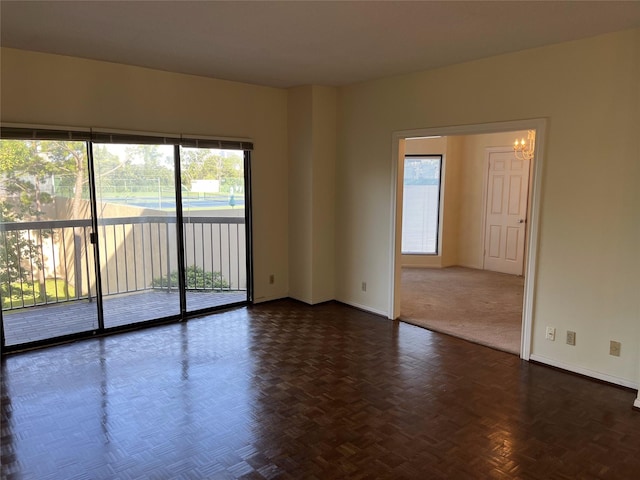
(521, 220)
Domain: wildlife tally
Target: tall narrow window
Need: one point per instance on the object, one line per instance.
(421, 205)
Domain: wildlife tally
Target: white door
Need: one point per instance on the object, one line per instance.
(506, 210)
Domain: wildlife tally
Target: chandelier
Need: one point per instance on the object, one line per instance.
(522, 149)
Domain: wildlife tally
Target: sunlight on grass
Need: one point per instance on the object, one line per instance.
(55, 289)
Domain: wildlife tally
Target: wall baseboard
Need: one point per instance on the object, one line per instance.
(365, 308)
(270, 298)
(586, 372)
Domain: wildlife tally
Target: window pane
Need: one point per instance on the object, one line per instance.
(421, 204)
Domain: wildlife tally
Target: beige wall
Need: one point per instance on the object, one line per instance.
(425, 146)
(324, 181)
(451, 201)
(57, 90)
(300, 121)
(586, 277)
(312, 152)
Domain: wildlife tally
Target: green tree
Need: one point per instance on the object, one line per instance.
(26, 166)
(148, 162)
(208, 164)
(136, 168)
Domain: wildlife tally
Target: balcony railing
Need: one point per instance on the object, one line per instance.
(52, 261)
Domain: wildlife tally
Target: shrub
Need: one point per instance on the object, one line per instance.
(196, 279)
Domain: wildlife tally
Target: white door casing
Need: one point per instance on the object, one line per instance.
(507, 193)
(530, 273)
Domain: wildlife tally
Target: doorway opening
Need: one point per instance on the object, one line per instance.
(479, 283)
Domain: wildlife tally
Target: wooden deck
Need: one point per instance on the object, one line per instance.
(49, 321)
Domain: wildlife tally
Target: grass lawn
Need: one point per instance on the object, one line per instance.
(64, 292)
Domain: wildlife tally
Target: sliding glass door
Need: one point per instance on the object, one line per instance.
(100, 231)
(136, 213)
(214, 227)
(47, 274)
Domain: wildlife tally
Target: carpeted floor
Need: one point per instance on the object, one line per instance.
(477, 305)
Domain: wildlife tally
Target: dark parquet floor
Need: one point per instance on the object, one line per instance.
(287, 391)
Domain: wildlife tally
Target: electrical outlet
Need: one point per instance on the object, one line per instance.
(551, 334)
(614, 348)
(364, 286)
(571, 337)
(272, 279)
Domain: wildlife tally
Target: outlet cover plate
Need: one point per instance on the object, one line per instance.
(551, 334)
(614, 348)
(571, 337)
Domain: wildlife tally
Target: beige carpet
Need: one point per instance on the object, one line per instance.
(476, 305)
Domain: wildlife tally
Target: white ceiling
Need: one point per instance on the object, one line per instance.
(285, 44)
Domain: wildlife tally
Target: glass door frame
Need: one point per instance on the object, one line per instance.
(35, 134)
(248, 218)
(248, 240)
(177, 177)
(121, 271)
(94, 235)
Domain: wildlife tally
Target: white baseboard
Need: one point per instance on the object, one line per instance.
(637, 402)
(365, 308)
(585, 371)
(269, 299)
(316, 301)
(352, 304)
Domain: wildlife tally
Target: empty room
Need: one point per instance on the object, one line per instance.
(204, 259)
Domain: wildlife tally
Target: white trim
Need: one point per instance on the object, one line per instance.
(365, 308)
(537, 124)
(636, 403)
(485, 188)
(585, 371)
(533, 233)
(471, 129)
(395, 146)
